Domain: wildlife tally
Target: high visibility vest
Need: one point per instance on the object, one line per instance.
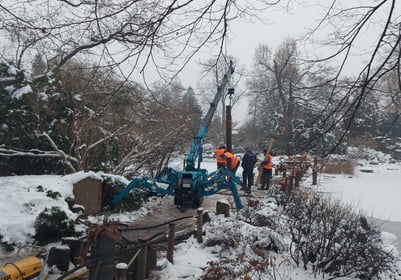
(219, 153)
(268, 165)
(232, 159)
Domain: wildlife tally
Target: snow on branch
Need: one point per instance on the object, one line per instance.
(30, 153)
(67, 159)
(107, 137)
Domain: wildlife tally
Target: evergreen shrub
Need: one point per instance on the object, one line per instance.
(51, 225)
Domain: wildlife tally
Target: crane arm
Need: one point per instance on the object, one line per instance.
(195, 153)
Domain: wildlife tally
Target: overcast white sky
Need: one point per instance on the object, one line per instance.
(246, 35)
(279, 24)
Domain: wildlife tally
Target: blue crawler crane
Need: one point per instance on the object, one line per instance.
(191, 185)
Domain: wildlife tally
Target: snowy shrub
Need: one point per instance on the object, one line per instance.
(227, 234)
(261, 214)
(51, 225)
(247, 248)
(245, 267)
(371, 155)
(258, 267)
(332, 239)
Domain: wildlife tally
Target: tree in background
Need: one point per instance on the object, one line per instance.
(89, 120)
(114, 43)
(193, 112)
(286, 97)
(390, 124)
(127, 38)
(345, 25)
(344, 104)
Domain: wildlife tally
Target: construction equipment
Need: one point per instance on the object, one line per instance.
(31, 267)
(191, 185)
(27, 268)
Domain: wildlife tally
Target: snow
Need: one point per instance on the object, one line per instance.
(377, 193)
(189, 259)
(22, 91)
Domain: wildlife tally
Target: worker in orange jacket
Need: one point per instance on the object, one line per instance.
(267, 172)
(232, 161)
(221, 161)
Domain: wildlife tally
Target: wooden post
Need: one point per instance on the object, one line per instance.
(229, 142)
(314, 172)
(59, 257)
(151, 260)
(141, 264)
(314, 178)
(297, 177)
(75, 245)
(291, 182)
(222, 208)
(199, 225)
(121, 271)
(171, 241)
(103, 270)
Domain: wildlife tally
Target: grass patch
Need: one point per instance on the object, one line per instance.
(339, 167)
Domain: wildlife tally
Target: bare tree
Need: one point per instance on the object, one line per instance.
(129, 35)
(345, 25)
(288, 95)
(128, 38)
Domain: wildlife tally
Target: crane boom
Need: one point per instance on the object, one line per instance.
(196, 150)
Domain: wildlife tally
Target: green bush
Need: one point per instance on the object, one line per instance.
(53, 195)
(49, 193)
(51, 225)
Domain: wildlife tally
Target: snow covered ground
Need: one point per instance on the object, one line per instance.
(376, 193)
(375, 189)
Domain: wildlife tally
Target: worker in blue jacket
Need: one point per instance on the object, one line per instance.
(248, 164)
